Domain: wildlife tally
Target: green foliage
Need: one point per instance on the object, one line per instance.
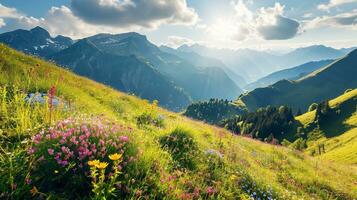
(266, 123)
(213, 111)
(182, 148)
(285, 143)
(299, 144)
(150, 117)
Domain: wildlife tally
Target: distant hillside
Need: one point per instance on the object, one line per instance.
(253, 64)
(204, 62)
(292, 74)
(320, 85)
(125, 73)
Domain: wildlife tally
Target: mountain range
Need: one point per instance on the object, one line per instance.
(254, 64)
(292, 74)
(322, 84)
(131, 63)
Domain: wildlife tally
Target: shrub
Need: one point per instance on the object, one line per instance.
(61, 155)
(299, 144)
(150, 116)
(147, 118)
(182, 148)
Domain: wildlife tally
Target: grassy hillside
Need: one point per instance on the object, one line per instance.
(166, 156)
(339, 137)
(323, 84)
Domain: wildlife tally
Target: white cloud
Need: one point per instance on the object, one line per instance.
(128, 13)
(6, 12)
(267, 23)
(176, 41)
(334, 3)
(273, 25)
(343, 20)
(62, 20)
(2, 23)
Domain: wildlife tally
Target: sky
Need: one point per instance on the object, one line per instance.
(233, 24)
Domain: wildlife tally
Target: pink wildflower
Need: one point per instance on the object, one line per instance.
(123, 138)
(31, 151)
(210, 190)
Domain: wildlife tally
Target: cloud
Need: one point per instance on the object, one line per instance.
(2, 23)
(128, 13)
(334, 3)
(6, 12)
(273, 25)
(343, 20)
(267, 23)
(64, 21)
(176, 41)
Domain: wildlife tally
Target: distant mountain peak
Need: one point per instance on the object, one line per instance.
(40, 31)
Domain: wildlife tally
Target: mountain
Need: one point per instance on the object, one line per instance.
(36, 41)
(292, 74)
(204, 62)
(312, 53)
(248, 63)
(154, 156)
(320, 85)
(199, 83)
(178, 81)
(253, 64)
(125, 73)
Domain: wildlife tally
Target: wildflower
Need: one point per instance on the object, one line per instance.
(102, 165)
(115, 156)
(56, 171)
(93, 163)
(210, 190)
(50, 151)
(28, 180)
(31, 151)
(233, 177)
(124, 138)
(34, 191)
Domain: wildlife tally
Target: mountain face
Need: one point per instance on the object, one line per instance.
(313, 53)
(125, 73)
(200, 83)
(245, 62)
(292, 74)
(131, 63)
(257, 64)
(36, 41)
(204, 62)
(318, 86)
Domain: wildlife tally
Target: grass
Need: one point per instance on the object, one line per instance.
(225, 166)
(343, 146)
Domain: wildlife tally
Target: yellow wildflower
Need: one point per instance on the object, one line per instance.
(34, 191)
(115, 156)
(102, 165)
(94, 163)
(233, 177)
(56, 171)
